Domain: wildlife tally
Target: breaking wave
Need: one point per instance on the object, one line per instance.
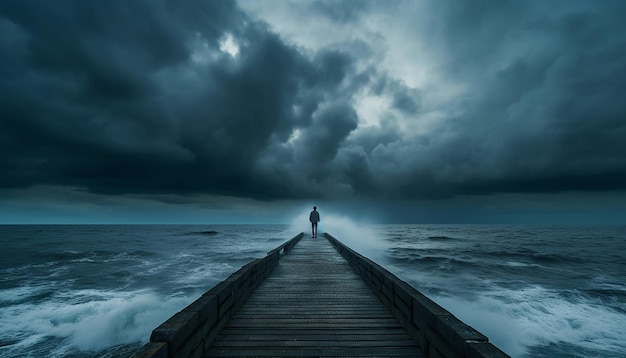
(86, 320)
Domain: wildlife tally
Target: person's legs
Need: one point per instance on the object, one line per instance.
(313, 229)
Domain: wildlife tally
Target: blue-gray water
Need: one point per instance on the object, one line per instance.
(99, 290)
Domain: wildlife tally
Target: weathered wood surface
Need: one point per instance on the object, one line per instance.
(313, 304)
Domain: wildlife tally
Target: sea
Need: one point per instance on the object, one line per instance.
(99, 290)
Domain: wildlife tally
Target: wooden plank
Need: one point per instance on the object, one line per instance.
(313, 304)
(299, 309)
(326, 352)
(338, 325)
(310, 344)
(327, 336)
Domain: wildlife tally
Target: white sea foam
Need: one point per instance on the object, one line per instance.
(113, 318)
(202, 275)
(16, 294)
(516, 320)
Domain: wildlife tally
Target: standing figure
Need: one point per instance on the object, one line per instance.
(314, 218)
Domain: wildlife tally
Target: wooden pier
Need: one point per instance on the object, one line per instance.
(314, 304)
(315, 297)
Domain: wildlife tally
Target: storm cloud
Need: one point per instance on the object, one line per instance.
(376, 99)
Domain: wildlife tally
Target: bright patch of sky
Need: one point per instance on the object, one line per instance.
(229, 45)
(392, 54)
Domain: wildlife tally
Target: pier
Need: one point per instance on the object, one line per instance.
(315, 297)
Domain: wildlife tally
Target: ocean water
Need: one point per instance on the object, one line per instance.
(99, 290)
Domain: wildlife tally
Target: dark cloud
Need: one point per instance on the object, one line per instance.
(137, 96)
(541, 113)
(340, 10)
(329, 128)
(182, 97)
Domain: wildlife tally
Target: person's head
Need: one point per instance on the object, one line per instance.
(315, 208)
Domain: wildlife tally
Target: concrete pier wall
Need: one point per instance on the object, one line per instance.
(439, 332)
(189, 332)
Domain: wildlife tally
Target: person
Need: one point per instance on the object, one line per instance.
(314, 218)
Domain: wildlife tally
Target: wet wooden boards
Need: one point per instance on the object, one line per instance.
(313, 304)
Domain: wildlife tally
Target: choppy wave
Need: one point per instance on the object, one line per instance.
(528, 321)
(205, 233)
(100, 290)
(96, 290)
(534, 291)
(85, 321)
(441, 238)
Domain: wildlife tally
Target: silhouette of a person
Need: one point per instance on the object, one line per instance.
(314, 218)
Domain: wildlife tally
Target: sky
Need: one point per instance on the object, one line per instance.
(253, 111)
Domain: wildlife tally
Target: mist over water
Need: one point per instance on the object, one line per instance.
(86, 291)
(357, 235)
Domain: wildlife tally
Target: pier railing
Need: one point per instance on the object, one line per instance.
(439, 332)
(190, 331)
